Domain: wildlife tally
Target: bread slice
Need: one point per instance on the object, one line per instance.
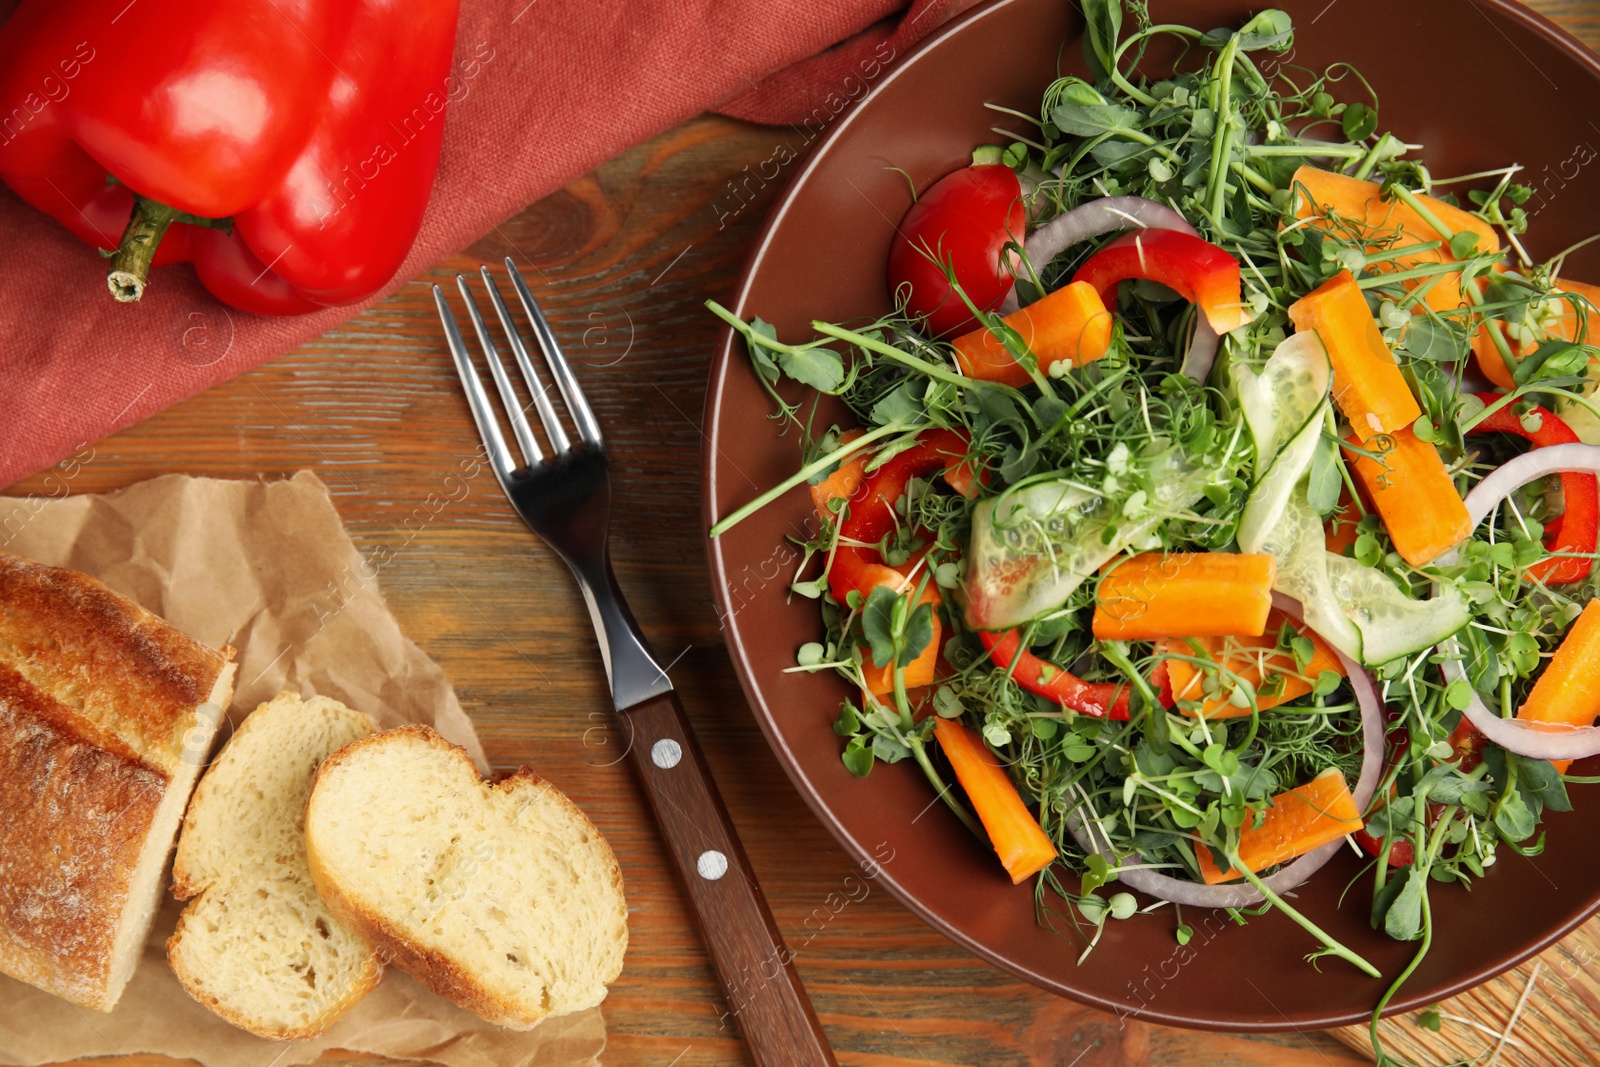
(258, 946)
(501, 896)
(107, 714)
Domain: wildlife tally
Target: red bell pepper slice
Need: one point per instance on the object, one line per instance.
(309, 132)
(871, 515)
(1102, 700)
(1198, 270)
(1576, 528)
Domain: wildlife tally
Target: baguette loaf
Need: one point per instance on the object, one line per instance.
(106, 716)
(500, 896)
(257, 945)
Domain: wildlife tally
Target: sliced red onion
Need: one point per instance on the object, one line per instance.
(1095, 217)
(1200, 895)
(1551, 741)
(1518, 471)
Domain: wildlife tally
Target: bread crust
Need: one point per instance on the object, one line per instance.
(98, 700)
(77, 816)
(127, 670)
(435, 969)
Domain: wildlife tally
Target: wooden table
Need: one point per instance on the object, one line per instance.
(622, 259)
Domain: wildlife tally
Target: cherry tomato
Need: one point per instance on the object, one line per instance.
(962, 222)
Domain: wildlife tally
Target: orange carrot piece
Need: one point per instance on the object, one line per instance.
(1299, 820)
(919, 671)
(1367, 383)
(1022, 845)
(843, 482)
(1568, 692)
(1257, 660)
(1070, 324)
(1564, 328)
(1413, 493)
(1184, 594)
(1330, 199)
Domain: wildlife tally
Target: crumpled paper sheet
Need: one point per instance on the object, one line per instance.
(268, 569)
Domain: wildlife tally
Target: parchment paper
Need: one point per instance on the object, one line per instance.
(268, 569)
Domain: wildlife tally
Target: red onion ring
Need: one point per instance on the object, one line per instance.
(1095, 217)
(1200, 895)
(1108, 215)
(1551, 741)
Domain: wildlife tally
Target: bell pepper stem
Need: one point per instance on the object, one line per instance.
(129, 268)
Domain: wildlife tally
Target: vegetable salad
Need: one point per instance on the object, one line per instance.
(1221, 490)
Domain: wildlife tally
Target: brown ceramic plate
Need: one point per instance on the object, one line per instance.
(1481, 84)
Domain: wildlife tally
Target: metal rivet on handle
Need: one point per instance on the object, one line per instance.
(666, 753)
(711, 865)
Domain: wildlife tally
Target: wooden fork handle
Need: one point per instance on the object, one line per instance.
(764, 993)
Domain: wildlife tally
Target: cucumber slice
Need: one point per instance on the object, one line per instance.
(1030, 549)
(1278, 400)
(1391, 621)
(1297, 542)
(1359, 610)
(1267, 500)
(1284, 404)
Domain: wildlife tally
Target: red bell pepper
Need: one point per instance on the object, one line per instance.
(1198, 270)
(1103, 700)
(858, 567)
(287, 150)
(1576, 528)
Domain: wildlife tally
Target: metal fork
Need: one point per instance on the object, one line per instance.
(565, 498)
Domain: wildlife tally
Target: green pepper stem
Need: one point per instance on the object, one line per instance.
(130, 263)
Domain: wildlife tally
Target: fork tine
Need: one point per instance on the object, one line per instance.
(560, 369)
(519, 421)
(494, 442)
(530, 373)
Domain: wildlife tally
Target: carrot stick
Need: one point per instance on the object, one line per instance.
(1413, 493)
(1276, 675)
(1367, 383)
(1337, 203)
(919, 671)
(1184, 594)
(1023, 847)
(1298, 821)
(1070, 324)
(1568, 692)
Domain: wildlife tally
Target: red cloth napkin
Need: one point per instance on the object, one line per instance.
(553, 88)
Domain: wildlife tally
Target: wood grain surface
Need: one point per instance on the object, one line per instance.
(622, 260)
